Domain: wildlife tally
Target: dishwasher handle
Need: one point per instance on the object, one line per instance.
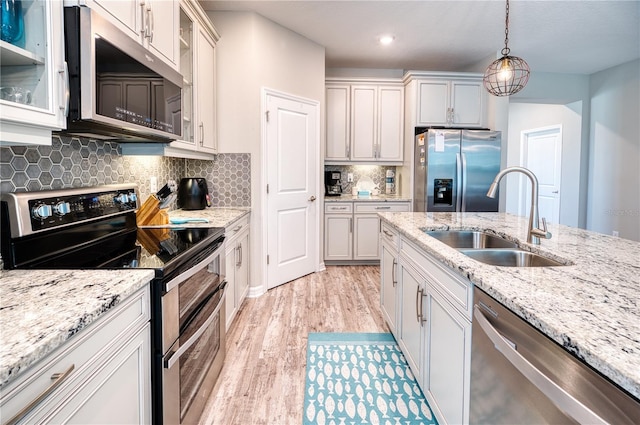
(556, 394)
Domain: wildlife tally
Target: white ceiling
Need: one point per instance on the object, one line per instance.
(577, 36)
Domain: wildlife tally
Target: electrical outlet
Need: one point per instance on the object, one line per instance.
(615, 233)
(153, 184)
(349, 177)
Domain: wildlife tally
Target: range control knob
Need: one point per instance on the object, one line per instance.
(121, 198)
(132, 197)
(62, 208)
(42, 211)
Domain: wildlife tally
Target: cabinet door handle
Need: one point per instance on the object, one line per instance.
(418, 297)
(201, 134)
(238, 255)
(58, 379)
(394, 268)
(351, 225)
(64, 72)
(313, 198)
(152, 24)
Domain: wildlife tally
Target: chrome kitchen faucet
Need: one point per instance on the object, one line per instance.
(535, 233)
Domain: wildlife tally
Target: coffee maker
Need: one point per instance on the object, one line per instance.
(332, 185)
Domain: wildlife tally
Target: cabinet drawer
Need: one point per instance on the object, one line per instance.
(389, 235)
(236, 228)
(81, 355)
(335, 207)
(458, 292)
(375, 207)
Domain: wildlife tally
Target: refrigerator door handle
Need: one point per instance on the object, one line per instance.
(463, 201)
(458, 182)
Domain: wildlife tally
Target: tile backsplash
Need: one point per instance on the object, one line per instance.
(377, 173)
(80, 162)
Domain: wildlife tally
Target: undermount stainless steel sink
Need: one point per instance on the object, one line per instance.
(461, 239)
(491, 249)
(510, 258)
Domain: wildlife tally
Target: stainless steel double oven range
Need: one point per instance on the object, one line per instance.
(96, 228)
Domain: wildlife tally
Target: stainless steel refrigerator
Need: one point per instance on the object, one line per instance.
(453, 170)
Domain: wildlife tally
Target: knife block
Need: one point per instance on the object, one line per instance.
(150, 214)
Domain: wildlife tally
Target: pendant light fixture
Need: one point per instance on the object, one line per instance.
(509, 74)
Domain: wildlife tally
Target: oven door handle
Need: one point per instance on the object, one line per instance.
(193, 270)
(173, 358)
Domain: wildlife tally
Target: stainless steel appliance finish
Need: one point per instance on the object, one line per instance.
(453, 169)
(95, 228)
(518, 375)
(193, 339)
(118, 90)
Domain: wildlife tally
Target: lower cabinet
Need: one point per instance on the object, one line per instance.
(389, 275)
(236, 266)
(432, 323)
(102, 375)
(352, 230)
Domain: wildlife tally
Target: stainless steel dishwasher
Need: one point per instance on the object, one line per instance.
(520, 376)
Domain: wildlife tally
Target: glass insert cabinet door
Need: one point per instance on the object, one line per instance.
(33, 75)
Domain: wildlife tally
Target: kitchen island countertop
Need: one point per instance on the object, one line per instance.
(41, 309)
(590, 307)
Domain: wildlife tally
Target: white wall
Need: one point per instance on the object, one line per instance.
(614, 142)
(525, 116)
(256, 53)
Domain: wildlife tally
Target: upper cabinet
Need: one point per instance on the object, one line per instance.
(33, 75)
(198, 40)
(152, 23)
(450, 100)
(365, 121)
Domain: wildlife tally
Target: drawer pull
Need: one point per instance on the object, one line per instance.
(383, 208)
(237, 229)
(58, 379)
(386, 232)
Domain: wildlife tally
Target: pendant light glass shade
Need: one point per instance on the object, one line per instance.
(509, 74)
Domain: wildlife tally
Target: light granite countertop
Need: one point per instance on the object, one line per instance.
(591, 307)
(41, 309)
(377, 198)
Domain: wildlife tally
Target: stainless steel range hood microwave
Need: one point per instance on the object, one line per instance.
(118, 90)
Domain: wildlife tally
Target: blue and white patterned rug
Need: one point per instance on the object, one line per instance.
(357, 378)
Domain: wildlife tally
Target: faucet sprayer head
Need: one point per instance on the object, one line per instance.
(491, 193)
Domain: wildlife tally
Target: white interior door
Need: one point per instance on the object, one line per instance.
(542, 151)
(292, 141)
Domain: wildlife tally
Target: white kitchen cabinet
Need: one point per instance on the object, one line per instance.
(39, 68)
(152, 23)
(411, 332)
(389, 276)
(198, 40)
(236, 266)
(449, 358)
(338, 120)
(365, 122)
(446, 99)
(439, 302)
(338, 231)
(101, 375)
(352, 230)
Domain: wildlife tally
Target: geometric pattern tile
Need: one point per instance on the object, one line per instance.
(377, 173)
(81, 162)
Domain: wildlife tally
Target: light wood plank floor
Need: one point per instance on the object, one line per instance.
(262, 381)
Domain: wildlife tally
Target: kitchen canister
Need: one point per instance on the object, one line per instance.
(12, 21)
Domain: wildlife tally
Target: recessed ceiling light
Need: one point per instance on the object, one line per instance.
(385, 40)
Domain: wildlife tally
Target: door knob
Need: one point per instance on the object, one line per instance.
(313, 198)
